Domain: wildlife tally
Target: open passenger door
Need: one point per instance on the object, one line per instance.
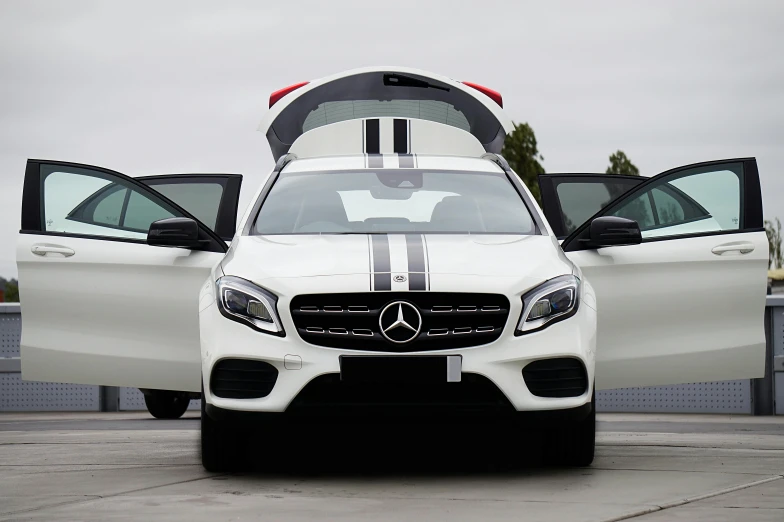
(687, 303)
(101, 305)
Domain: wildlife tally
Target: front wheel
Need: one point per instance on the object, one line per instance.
(165, 404)
(573, 444)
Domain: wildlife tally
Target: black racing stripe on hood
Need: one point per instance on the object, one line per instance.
(415, 248)
(382, 277)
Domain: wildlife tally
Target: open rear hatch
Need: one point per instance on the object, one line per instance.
(385, 93)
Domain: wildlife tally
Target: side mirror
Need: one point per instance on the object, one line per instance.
(174, 232)
(613, 231)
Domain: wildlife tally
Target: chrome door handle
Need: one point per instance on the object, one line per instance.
(42, 250)
(741, 248)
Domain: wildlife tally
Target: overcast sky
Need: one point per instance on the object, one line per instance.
(159, 87)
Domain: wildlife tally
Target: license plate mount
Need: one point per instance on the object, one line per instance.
(400, 368)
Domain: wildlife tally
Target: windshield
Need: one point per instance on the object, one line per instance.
(393, 200)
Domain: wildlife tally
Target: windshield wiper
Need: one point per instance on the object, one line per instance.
(400, 80)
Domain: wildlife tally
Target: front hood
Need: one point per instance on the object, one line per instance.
(358, 262)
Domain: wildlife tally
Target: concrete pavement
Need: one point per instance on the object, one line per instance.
(124, 466)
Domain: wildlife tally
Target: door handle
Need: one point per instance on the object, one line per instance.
(42, 250)
(740, 247)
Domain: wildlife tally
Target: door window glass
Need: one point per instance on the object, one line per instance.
(202, 200)
(94, 203)
(638, 209)
(141, 212)
(668, 209)
(581, 200)
(693, 201)
(108, 210)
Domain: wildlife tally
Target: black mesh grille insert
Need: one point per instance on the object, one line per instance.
(327, 394)
(242, 379)
(351, 321)
(564, 377)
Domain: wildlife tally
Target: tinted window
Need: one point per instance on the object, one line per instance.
(202, 200)
(87, 202)
(640, 210)
(141, 212)
(692, 201)
(581, 200)
(437, 111)
(393, 200)
(108, 208)
(668, 209)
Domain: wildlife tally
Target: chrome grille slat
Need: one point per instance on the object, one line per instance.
(338, 331)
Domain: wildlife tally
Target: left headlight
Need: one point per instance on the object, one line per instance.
(244, 302)
(549, 302)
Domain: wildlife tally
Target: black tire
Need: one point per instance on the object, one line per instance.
(223, 445)
(573, 444)
(164, 404)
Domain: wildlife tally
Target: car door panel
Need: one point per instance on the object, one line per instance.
(101, 306)
(687, 304)
(112, 313)
(678, 314)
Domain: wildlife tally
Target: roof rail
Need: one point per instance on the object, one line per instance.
(498, 160)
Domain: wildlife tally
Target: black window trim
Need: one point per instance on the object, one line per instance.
(750, 219)
(33, 211)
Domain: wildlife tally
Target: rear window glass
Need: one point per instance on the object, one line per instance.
(437, 111)
(393, 200)
(366, 95)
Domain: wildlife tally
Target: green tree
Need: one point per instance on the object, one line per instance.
(775, 255)
(523, 156)
(621, 164)
(11, 290)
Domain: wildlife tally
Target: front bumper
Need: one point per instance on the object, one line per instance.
(298, 363)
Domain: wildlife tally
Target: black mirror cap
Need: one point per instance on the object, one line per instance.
(179, 232)
(614, 231)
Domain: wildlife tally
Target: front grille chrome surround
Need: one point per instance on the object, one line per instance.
(449, 320)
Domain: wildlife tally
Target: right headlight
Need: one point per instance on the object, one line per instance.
(244, 302)
(552, 301)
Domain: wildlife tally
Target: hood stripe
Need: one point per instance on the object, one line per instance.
(400, 139)
(372, 137)
(382, 278)
(417, 276)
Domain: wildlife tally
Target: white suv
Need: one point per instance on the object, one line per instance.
(392, 262)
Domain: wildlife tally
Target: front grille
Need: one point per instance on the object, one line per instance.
(563, 377)
(242, 379)
(351, 321)
(328, 395)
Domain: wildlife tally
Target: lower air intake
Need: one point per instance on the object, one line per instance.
(242, 379)
(564, 377)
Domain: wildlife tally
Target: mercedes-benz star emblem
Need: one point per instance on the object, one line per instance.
(400, 322)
